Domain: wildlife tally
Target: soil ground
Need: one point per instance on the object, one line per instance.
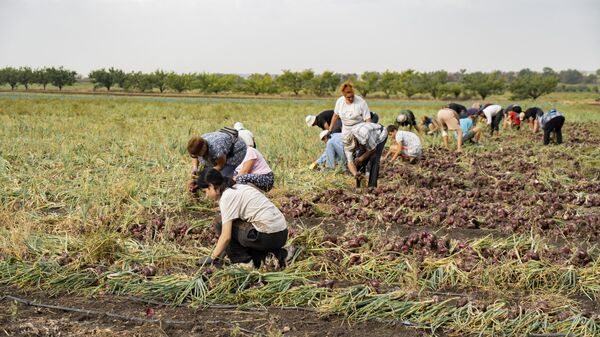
(17, 319)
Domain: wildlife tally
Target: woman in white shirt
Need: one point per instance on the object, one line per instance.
(352, 110)
(251, 226)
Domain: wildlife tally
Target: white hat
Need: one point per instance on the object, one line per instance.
(238, 126)
(323, 134)
(522, 116)
(310, 120)
(401, 118)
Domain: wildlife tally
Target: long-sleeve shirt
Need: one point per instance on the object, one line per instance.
(334, 152)
(547, 117)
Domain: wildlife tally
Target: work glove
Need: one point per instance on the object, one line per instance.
(313, 166)
(208, 260)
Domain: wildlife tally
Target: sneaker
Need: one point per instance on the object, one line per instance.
(245, 265)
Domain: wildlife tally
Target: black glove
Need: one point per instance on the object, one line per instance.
(206, 261)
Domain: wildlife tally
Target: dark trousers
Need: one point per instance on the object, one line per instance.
(554, 125)
(249, 244)
(372, 164)
(496, 122)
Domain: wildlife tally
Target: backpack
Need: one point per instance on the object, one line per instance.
(233, 134)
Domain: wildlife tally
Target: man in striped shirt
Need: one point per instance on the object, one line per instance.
(550, 122)
(369, 141)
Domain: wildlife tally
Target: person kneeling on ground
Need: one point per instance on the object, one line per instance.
(251, 229)
(255, 170)
(406, 144)
(470, 132)
(333, 153)
(369, 141)
(551, 122)
(429, 125)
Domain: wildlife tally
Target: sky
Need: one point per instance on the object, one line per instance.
(351, 36)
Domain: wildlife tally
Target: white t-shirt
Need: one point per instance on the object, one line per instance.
(491, 111)
(249, 204)
(411, 144)
(351, 114)
(247, 137)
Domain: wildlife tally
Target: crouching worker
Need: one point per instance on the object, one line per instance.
(218, 150)
(551, 122)
(251, 230)
(406, 144)
(255, 170)
(334, 151)
(470, 132)
(407, 118)
(429, 125)
(369, 141)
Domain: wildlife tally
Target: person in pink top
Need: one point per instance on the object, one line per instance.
(255, 170)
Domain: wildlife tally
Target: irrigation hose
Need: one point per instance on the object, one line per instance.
(118, 316)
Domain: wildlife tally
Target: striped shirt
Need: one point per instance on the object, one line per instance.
(547, 117)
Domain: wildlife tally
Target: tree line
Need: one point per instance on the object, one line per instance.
(25, 76)
(437, 84)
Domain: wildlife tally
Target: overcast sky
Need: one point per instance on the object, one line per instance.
(237, 36)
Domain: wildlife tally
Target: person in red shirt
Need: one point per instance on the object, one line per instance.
(514, 120)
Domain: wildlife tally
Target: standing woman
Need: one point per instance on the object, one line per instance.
(218, 150)
(251, 226)
(352, 110)
(255, 170)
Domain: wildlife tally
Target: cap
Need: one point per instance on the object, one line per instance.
(522, 116)
(310, 120)
(323, 134)
(238, 126)
(401, 118)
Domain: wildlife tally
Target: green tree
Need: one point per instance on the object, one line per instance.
(179, 82)
(454, 88)
(389, 83)
(434, 83)
(139, 81)
(118, 76)
(9, 75)
(160, 80)
(571, 76)
(26, 76)
(41, 76)
(292, 81)
(485, 84)
(325, 83)
(260, 84)
(408, 83)
(529, 84)
(102, 78)
(368, 83)
(60, 77)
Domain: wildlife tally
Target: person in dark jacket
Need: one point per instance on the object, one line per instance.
(407, 118)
